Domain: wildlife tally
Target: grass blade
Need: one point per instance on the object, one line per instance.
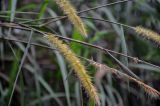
(20, 67)
(124, 47)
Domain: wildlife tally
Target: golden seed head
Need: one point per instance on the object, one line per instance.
(147, 33)
(78, 67)
(71, 13)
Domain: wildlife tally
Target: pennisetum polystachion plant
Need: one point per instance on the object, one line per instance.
(76, 64)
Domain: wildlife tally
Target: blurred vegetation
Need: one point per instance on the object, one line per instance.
(46, 79)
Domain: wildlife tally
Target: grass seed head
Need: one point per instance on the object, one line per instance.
(148, 34)
(71, 13)
(77, 66)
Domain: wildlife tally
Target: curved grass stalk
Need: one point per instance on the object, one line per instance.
(71, 13)
(148, 89)
(76, 64)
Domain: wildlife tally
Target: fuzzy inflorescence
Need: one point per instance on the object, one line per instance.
(78, 67)
(71, 13)
(149, 34)
(149, 90)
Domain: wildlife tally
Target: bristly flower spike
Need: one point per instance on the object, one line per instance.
(149, 34)
(71, 13)
(77, 66)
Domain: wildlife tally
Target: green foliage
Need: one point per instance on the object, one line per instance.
(43, 8)
(77, 48)
(13, 72)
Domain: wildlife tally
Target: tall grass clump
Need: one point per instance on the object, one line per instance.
(71, 13)
(76, 64)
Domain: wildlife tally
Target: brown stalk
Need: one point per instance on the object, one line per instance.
(148, 89)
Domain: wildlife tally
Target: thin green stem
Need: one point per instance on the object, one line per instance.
(20, 67)
(18, 12)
